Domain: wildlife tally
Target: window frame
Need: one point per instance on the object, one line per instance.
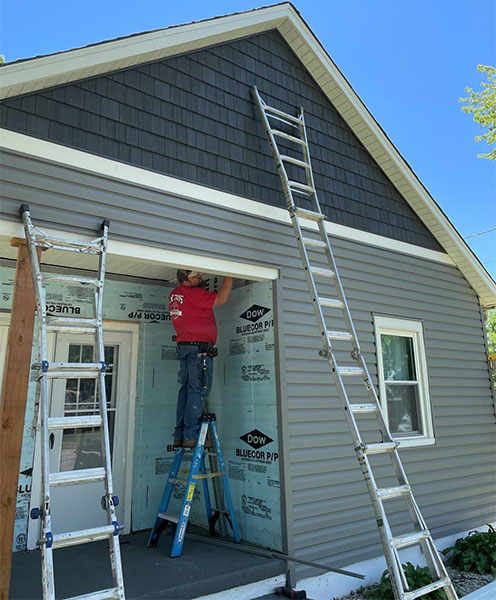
(384, 325)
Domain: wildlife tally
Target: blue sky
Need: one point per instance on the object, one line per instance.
(408, 60)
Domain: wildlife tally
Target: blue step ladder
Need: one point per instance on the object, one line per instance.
(197, 472)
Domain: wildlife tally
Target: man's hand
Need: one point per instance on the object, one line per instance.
(223, 293)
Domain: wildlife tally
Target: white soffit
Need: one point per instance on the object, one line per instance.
(57, 69)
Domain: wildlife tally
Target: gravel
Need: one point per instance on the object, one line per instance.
(465, 582)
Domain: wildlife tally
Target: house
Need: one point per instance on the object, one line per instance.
(158, 133)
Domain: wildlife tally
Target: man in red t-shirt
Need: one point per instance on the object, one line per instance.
(191, 311)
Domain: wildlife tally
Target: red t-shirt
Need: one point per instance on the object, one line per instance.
(191, 311)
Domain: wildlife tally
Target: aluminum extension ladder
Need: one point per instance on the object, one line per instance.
(292, 130)
(48, 542)
(196, 472)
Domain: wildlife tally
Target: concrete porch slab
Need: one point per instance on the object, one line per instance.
(149, 573)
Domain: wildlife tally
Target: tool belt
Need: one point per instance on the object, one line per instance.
(203, 348)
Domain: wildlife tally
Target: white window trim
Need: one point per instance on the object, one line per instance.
(413, 329)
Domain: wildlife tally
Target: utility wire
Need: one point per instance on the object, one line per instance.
(480, 233)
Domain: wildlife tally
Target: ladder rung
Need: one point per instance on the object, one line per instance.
(62, 540)
(363, 408)
(381, 448)
(426, 589)
(110, 594)
(288, 137)
(332, 302)
(93, 246)
(209, 475)
(70, 279)
(301, 187)
(343, 336)
(169, 517)
(314, 242)
(311, 215)
(74, 422)
(78, 476)
(74, 370)
(53, 320)
(68, 325)
(323, 272)
(411, 539)
(393, 492)
(295, 161)
(282, 114)
(351, 371)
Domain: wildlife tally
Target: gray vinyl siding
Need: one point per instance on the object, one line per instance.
(193, 117)
(332, 521)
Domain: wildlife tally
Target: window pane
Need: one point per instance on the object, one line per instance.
(397, 358)
(403, 409)
(82, 448)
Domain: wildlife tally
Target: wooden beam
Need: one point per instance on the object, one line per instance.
(13, 404)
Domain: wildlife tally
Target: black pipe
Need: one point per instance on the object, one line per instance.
(270, 554)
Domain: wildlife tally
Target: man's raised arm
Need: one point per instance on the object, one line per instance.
(223, 293)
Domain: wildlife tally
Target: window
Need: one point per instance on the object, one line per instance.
(403, 384)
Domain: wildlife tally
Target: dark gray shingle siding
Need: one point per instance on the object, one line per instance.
(193, 117)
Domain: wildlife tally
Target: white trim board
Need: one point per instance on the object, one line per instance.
(171, 258)
(49, 151)
(56, 69)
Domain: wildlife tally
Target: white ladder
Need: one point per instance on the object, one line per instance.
(292, 130)
(36, 238)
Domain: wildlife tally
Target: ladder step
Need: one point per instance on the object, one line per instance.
(426, 589)
(74, 422)
(168, 517)
(68, 325)
(411, 539)
(394, 492)
(71, 279)
(380, 448)
(295, 161)
(76, 477)
(314, 242)
(74, 538)
(74, 370)
(91, 247)
(351, 371)
(301, 187)
(332, 302)
(287, 136)
(209, 475)
(363, 408)
(343, 336)
(311, 215)
(323, 272)
(110, 594)
(282, 114)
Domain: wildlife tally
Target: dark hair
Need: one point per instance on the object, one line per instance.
(182, 275)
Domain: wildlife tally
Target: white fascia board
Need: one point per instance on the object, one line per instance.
(171, 258)
(84, 161)
(63, 67)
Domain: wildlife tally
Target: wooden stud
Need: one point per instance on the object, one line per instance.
(13, 404)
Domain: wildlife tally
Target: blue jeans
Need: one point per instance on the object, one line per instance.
(191, 396)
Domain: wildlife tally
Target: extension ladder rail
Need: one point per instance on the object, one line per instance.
(36, 238)
(379, 496)
(196, 473)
